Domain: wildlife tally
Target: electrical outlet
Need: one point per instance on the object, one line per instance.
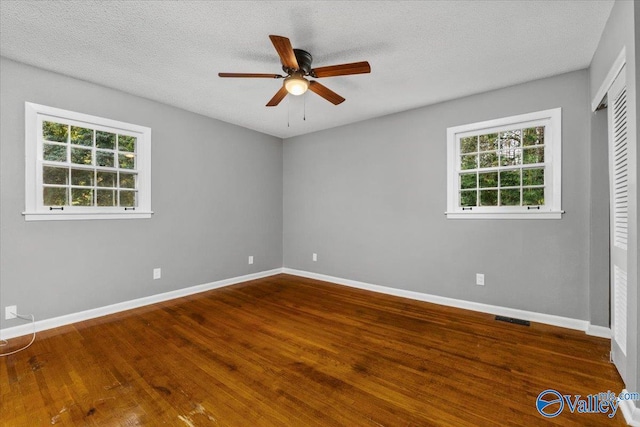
(314, 257)
(480, 279)
(157, 273)
(10, 312)
(250, 259)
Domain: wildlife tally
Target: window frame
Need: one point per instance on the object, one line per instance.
(552, 121)
(35, 210)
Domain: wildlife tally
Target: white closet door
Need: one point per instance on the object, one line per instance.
(619, 190)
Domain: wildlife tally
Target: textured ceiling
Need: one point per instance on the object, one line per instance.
(421, 52)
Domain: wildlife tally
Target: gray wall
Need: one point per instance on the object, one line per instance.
(217, 197)
(369, 199)
(599, 222)
(636, 301)
(621, 31)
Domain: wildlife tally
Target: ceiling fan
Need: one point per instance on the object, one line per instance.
(297, 64)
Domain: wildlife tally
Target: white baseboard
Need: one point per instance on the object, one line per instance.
(599, 331)
(67, 319)
(549, 319)
(42, 325)
(630, 411)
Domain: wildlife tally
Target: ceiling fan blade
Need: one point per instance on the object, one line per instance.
(342, 70)
(285, 51)
(255, 75)
(279, 96)
(325, 92)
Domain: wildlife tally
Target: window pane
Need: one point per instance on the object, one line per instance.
(106, 179)
(127, 180)
(105, 140)
(488, 142)
(488, 160)
(105, 158)
(469, 162)
(81, 136)
(489, 198)
(510, 197)
(509, 178)
(82, 197)
(127, 143)
(54, 196)
(127, 161)
(533, 136)
(81, 156)
(81, 177)
(533, 177)
(468, 198)
(106, 197)
(488, 179)
(510, 139)
(533, 155)
(58, 176)
(511, 157)
(54, 153)
(533, 196)
(127, 198)
(468, 180)
(52, 131)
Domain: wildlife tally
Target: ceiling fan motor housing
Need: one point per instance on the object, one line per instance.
(304, 59)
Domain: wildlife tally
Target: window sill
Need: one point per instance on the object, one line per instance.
(505, 215)
(67, 216)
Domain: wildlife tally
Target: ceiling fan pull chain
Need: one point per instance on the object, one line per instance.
(304, 110)
(288, 112)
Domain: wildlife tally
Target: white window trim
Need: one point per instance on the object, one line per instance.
(35, 211)
(552, 120)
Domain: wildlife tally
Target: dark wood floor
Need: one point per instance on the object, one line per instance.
(288, 351)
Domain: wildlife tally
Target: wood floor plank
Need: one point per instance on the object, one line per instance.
(291, 351)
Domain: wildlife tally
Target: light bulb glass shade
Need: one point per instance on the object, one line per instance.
(296, 85)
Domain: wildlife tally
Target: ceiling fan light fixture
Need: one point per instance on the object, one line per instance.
(296, 84)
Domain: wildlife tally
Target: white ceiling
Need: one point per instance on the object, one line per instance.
(421, 52)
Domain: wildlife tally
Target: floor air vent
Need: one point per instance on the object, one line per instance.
(512, 320)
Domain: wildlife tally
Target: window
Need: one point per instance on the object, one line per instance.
(506, 168)
(85, 167)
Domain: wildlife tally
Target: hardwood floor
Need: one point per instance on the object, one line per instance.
(289, 351)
